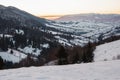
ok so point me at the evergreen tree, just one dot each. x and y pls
(76, 58)
(11, 52)
(29, 61)
(3, 43)
(88, 55)
(1, 63)
(62, 56)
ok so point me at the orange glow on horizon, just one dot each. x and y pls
(45, 8)
(50, 17)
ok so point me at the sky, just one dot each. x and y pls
(55, 8)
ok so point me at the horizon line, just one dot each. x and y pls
(52, 17)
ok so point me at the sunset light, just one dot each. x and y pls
(64, 7)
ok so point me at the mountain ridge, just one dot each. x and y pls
(89, 16)
(20, 15)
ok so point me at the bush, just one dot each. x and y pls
(118, 56)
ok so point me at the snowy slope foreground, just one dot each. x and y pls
(107, 51)
(92, 71)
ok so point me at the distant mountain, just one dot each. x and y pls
(91, 17)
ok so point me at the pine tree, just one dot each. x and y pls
(11, 52)
(4, 45)
(1, 63)
(88, 54)
(62, 56)
(76, 58)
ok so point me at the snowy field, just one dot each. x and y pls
(14, 57)
(107, 70)
(107, 51)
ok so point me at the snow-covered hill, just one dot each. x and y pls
(25, 33)
(107, 51)
(108, 70)
(87, 26)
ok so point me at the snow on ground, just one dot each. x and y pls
(31, 50)
(45, 45)
(108, 70)
(107, 51)
(20, 32)
(6, 35)
(87, 29)
(14, 57)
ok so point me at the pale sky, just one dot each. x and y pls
(64, 7)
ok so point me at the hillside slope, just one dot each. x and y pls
(20, 16)
(107, 51)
